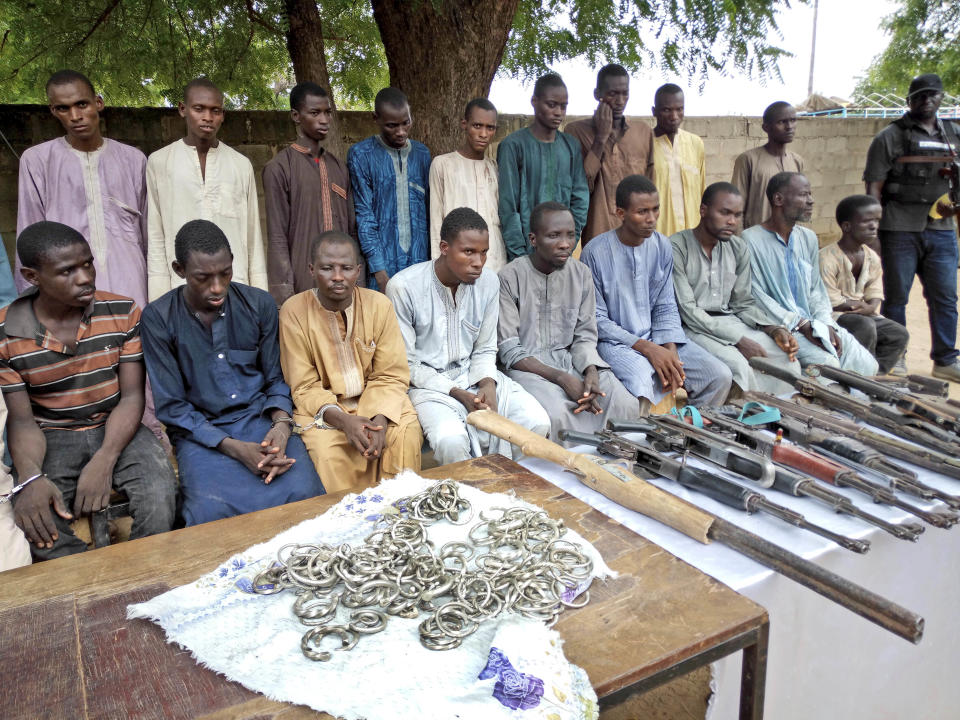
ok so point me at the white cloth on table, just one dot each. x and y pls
(255, 639)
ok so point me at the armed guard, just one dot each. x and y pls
(911, 168)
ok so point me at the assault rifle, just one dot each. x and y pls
(808, 425)
(795, 470)
(905, 402)
(640, 496)
(722, 489)
(829, 468)
(881, 416)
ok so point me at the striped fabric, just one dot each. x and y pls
(69, 388)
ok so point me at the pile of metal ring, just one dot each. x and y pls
(527, 568)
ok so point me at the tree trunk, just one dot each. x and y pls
(443, 54)
(305, 45)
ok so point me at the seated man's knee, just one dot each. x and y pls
(724, 379)
(534, 418)
(868, 335)
(722, 375)
(451, 447)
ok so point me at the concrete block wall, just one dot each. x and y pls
(834, 150)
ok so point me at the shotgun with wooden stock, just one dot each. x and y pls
(637, 494)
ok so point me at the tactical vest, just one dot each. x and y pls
(919, 182)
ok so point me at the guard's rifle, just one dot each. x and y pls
(637, 494)
(805, 466)
(875, 414)
(809, 425)
(905, 402)
(951, 171)
(722, 489)
(823, 469)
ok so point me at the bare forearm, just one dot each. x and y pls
(28, 447)
(122, 424)
(532, 365)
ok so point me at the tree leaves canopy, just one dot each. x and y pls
(924, 37)
(142, 52)
(690, 37)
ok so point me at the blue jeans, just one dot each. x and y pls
(931, 255)
(142, 472)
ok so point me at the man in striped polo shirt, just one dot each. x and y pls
(72, 374)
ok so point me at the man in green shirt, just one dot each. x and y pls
(540, 164)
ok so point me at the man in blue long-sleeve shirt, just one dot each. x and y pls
(213, 357)
(638, 323)
(390, 178)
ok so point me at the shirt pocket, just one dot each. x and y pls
(242, 358)
(470, 330)
(128, 220)
(365, 353)
(729, 280)
(231, 200)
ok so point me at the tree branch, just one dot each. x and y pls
(257, 18)
(100, 20)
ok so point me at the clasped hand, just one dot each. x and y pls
(583, 392)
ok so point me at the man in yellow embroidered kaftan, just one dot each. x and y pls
(344, 359)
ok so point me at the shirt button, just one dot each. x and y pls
(233, 397)
(220, 356)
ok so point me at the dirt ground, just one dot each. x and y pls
(918, 351)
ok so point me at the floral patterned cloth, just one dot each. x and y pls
(512, 667)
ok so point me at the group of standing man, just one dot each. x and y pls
(669, 293)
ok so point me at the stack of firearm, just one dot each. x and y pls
(838, 451)
(923, 430)
(633, 492)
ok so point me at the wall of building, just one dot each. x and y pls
(834, 150)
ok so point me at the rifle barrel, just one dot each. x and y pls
(905, 531)
(762, 504)
(865, 603)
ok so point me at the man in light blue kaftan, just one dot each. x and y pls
(786, 280)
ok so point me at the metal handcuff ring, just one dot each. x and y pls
(367, 622)
(348, 639)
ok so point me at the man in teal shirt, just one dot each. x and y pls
(540, 164)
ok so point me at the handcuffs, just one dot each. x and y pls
(527, 567)
(8, 496)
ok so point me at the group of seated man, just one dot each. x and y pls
(338, 389)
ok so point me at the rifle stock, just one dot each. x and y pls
(623, 487)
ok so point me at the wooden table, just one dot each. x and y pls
(68, 651)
